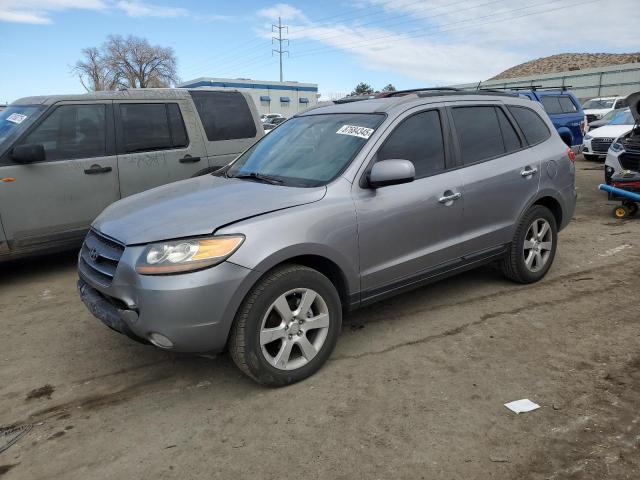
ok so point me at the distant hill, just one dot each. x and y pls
(567, 61)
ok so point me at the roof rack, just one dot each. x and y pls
(417, 90)
(468, 92)
(529, 87)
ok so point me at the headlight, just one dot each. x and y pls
(616, 147)
(588, 137)
(186, 255)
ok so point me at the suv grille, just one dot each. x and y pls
(99, 258)
(630, 161)
(601, 145)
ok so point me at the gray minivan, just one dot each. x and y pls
(63, 159)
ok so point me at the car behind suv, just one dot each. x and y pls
(624, 153)
(63, 159)
(336, 208)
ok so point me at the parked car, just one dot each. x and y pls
(63, 159)
(336, 208)
(268, 117)
(604, 120)
(597, 108)
(565, 112)
(597, 141)
(624, 153)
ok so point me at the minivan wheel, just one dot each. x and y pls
(287, 326)
(533, 248)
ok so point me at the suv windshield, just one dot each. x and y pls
(623, 118)
(307, 151)
(15, 119)
(598, 103)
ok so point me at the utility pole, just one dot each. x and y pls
(279, 39)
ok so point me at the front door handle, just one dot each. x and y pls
(528, 171)
(449, 197)
(97, 169)
(189, 159)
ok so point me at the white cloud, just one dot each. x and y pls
(39, 11)
(444, 42)
(141, 9)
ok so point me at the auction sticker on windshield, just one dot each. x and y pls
(16, 118)
(355, 131)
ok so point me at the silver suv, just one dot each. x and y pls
(63, 159)
(338, 207)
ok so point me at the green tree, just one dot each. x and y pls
(389, 88)
(363, 89)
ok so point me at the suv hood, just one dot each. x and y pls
(197, 206)
(612, 131)
(634, 104)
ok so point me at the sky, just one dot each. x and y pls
(334, 43)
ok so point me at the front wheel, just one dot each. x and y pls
(287, 326)
(533, 247)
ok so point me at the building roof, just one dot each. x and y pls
(248, 83)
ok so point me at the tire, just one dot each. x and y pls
(515, 264)
(632, 207)
(261, 336)
(621, 211)
(205, 171)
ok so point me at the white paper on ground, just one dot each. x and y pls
(521, 406)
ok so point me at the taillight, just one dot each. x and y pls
(582, 126)
(571, 154)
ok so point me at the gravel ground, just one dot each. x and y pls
(415, 388)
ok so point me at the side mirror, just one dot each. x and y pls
(391, 172)
(28, 153)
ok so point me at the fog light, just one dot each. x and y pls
(160, 340)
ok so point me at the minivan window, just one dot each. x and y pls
(16, 119)
(72, 131)
(419, 140)
(478, 133)
(145, 127)
(533, 127)
(307, 151)
(224, 115)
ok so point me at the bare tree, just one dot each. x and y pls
(126, 62)
(139, 64)
(93, 72)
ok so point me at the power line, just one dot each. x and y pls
(279, 39)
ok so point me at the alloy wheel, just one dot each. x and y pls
(538, 243)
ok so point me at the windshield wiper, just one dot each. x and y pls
(260, 177)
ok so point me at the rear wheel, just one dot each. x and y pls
(533, 247)
(287, 326)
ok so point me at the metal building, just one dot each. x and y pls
(616, 80)
(287, 98)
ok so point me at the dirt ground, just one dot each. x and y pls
(415, 388)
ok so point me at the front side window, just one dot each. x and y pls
(419, 140)
(479, 133)
(72, 131)
(535, 130)
(307, 151)
(15, 119)
(621, 103)
(224, 115)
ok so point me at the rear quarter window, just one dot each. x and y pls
(535, 129)
(224, 115)
(566, 104)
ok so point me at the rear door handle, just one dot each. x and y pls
(189, 159)
(97, 169)
(449, 196)
(528, 171)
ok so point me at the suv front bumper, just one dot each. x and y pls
(194, 311)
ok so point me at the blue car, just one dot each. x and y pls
(565, 112)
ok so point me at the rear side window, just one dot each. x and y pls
(535, 130)
(621, 103)
(152, 126)
(419, 140)
(224, 115)
(566, 104)
(479, 133)
(72, 131)
(509, 135)
(551, 104)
